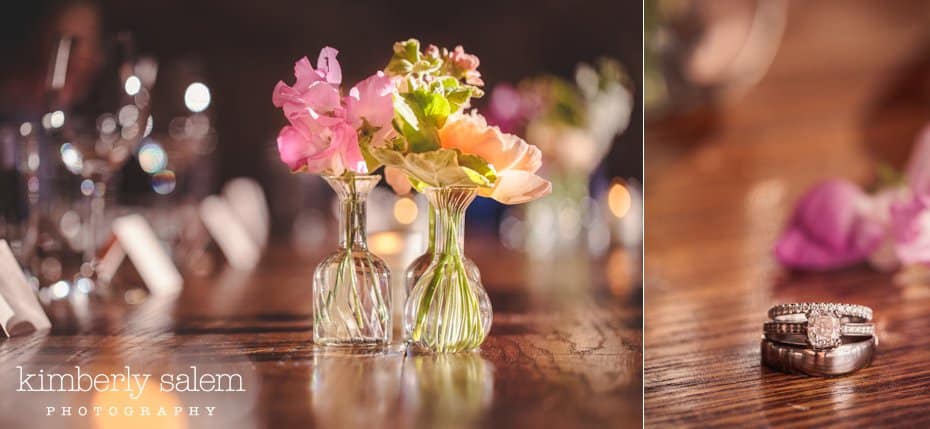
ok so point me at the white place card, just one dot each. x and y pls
(247, 200)
(136, 239)
(233, 238)
(20, 311)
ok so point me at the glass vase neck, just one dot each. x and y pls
(352, 191)
(448, 206)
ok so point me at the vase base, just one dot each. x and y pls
(415, 348)
(354, 343)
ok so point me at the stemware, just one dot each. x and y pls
(98, 112)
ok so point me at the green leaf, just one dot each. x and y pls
(422, 140)
(370, 161)
(458, 97)
(402, 109)
(408, 50)
(434, 168)
(479, 166)
(430, 108)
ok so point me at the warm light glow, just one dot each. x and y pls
(620, 273)
(386, 243)
(619, 200)
(121, 411)
(405, 211)
(132, 85)
(197, 97)
(25, 129)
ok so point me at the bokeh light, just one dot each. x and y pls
(132, 85)
(405, 211)
(197, 97)
(619, 200)
(164, 182)
(152, 157)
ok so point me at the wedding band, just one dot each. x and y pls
(860, 312)
(820, 336)
(844, 359)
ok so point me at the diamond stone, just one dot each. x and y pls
(823, 329)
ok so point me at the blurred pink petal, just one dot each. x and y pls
(910, 227)
(398, 180)
(918, 166)
(504, 108)
(831, 227)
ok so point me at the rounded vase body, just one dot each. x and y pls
(448, 310)
(352, 287)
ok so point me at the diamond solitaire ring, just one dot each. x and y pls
(819, 325)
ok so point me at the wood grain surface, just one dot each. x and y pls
(569, 357)
(716, 201)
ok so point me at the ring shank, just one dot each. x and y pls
(841, 360)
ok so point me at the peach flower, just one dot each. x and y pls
(515, 161)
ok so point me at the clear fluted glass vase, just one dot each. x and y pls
(448, 310)
(352, 287)
(419, 265)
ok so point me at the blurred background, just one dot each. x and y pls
(750, 103)
(177, 95)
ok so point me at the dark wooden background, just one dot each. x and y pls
(847, 91)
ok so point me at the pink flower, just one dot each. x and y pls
(918, 166)
(464, 61)
(323, 135)
(463, 64)
(910, 227)
(315, 94)
(832, 227)
(371, 102)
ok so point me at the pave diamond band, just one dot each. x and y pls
(861, 312)
(846, 329)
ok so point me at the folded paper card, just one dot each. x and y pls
(20, 311)
(247, 200)
(230, 234)
(136, 239)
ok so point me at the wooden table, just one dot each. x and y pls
(716, 202)
(570, 357)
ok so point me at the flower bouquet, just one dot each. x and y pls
(411, 119)
(351, 287)
(452, 157)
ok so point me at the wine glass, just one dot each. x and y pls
(98, 112)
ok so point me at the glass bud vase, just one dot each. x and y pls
(419, 265)
(448, 309)
(352, 287)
